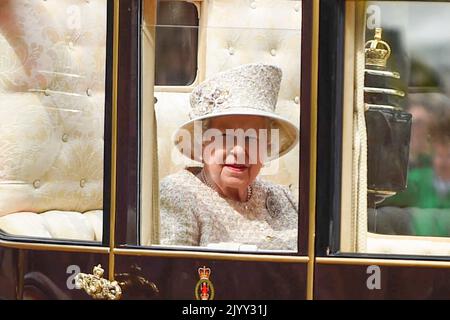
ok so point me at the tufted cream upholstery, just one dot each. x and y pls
(52, 80)
(267, 31)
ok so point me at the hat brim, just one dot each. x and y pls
(288, 132)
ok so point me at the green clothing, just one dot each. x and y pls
(430, 211)
(422, 161)
(420, 192)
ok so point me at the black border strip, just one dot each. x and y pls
(330, 117)
(108, 125)
(128, 124)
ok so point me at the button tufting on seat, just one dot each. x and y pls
(297, 100)
(253, 5)
(273, 52)
(231, 51)
(46, 122)
(297, 7)
(37, 184)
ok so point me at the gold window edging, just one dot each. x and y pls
(382, 262)
(313, 148)
(53, 247)
(211, 255)
(113, 209)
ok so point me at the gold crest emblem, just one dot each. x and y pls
(204, 290)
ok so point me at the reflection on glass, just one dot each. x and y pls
(426, 201)
(52, 82)
(176, 44)
(420, 53)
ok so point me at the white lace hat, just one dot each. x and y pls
(250, 89)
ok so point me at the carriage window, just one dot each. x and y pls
(401, 130)
(52, 88)
(220, 158)
(176, 43)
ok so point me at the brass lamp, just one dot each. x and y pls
(388, 126)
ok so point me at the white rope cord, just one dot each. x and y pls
(155, 238)
(355, 180)
(359, 185)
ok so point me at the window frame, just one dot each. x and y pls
(334, 148)
(130, 244)
(201, 48)
(31, 242)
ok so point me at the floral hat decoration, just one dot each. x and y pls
(250, 89)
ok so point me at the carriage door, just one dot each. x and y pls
(166, 49)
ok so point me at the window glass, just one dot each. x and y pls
(176, 43)
(227, 148)
(403, 145)
(52, 96)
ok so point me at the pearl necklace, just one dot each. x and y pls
(205, 180)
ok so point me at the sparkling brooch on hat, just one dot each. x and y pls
(210, 99)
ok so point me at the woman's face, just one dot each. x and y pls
(421, 119)
(441, 160)
(232, 156)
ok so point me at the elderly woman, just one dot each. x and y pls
(223, 204)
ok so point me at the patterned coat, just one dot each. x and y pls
(193, 214)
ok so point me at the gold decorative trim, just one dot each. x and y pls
(211, 255)
(96, 286)
(382, 262)
(382, 192)
(383, 73)
(313, 149)
(204, 285)
(113, 195)
(393, 92)
(381, 106)
(377, 51)
(53, 247)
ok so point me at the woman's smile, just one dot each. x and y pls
(238, 168)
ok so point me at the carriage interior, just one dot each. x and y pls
(52, 93)
(52, 107)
